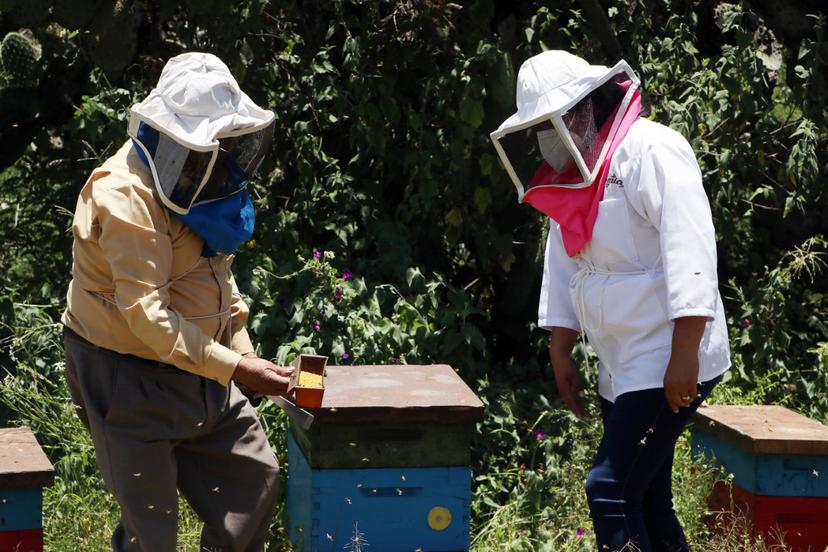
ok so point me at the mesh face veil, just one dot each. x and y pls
(186, 175)
(566, 111)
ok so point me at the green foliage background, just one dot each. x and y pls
(382, 161)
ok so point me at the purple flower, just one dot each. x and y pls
(396, 360)
(345, 356)
(523, 466)
(347, 274)
(539, 435)
(338, 292)
(317, 326)
(746, 324)
(580, 532)
(317, 254)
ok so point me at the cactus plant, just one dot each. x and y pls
(75, 14)
(113, 38)
(28, 13)
(19, 56)
(7, 6)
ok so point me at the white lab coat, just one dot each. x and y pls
(652, 259)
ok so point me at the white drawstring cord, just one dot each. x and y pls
(577, 282)
(109, 297)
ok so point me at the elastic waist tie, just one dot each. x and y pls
(109, 297)
(577, 282)
(579, 279)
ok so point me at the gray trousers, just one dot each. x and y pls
(156, 429)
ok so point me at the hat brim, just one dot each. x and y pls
(202, 132)
(552, 106)
(558, 100)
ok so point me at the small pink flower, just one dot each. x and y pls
(317, 254)
(347, 274)
(345, 356)
(523, 466)
(580, 532)
(539, 435)
(338, 292)
(317, 326)
(746, 324)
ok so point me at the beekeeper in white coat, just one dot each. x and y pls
(631, 262)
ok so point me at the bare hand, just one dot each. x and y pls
(682, 373)
(262, 376)
(570, 386)
(681, 378)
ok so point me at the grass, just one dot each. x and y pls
(528, 493)
(518, 526)
(80, 513)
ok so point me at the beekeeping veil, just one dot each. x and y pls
(203, 138)
(567, 113)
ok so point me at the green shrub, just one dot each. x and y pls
(382, 162)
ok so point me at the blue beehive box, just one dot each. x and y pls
(385, 462)
(770, 450)
(779, 462)
(24, 472)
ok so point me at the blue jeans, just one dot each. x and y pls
(629, 488)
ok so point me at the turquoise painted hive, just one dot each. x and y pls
(385, 463)
(24, 472)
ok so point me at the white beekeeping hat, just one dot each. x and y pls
(202, 136)
(553, 139)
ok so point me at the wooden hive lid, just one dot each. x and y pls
(397, 393)
(761, 429)
(22, 461)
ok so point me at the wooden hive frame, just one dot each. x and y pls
(308, 395)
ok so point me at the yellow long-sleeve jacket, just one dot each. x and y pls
(139, 283)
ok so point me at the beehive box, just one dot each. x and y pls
(779, 462)
(24, 471)
(387, 457)
(802, 520)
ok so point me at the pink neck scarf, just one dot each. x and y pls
(576, 209)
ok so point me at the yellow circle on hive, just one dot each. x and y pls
(439, 518)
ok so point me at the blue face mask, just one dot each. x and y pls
(223, 224)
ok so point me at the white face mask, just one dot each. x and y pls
(553, 150)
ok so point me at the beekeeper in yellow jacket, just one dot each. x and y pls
(155, 335)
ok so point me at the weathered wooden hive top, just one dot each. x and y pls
(765, 429)
(397, 393)
(22, 461)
